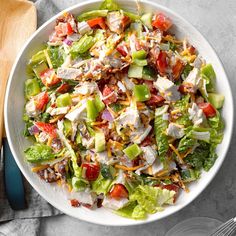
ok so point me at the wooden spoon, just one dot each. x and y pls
(18, 20)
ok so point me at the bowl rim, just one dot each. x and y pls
(128, 223)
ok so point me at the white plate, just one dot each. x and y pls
(14, 104)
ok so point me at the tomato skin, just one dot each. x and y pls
(162, 22)
(161, 62)
(208, 109)
(92, 171)
(63, 88)
(155, 100)
(41, 100)
(122, 50)
(74, 203)
(110, 99)
(99, 21)
(53, 79)
(119, 191)
(177, 69)
(47, 128)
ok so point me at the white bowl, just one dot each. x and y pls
(14, 103)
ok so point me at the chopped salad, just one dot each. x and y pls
(123, 114)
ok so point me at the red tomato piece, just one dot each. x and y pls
(74, 203)
(41, 100)
(177, 69)
(63, 88)
(161, 62)
(155, 100)
(109, 95)
(63, 29)
(49, 77)
(208, 109)
(119, 191)
(99, 21)
(162, 22)
(69, 29)
(47, 128)
(192, 49)
(91, 171)
(122, 50)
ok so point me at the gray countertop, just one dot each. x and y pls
(216, 20)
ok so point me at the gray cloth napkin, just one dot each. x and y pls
(27, 222)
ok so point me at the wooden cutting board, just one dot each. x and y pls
(18, 20)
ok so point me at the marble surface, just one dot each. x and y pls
(216, 20)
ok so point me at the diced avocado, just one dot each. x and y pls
(135, 71)
(32, 88)
(100, 142)
(38, 58)
(208, 73)
(64, 100)
(132, 151)
(39, 68)
(141, 54)
(92, 111)
(216, 99)
(67, 127)
(147, 20)
(148, 73)
(98, 103)
(141, 92)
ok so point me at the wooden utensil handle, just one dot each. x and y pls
(5, 68)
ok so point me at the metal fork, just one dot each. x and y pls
(226, 229)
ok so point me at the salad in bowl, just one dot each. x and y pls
(122, 114)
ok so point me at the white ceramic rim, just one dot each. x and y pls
(177, 208)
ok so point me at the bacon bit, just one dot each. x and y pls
(89, 206)
(74, 203)
(128, 168)
(38, 168)
(177, 153)
(192, 50)
(177, 69)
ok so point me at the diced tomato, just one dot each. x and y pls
(208, 109)
(49, 77)
(122, 50)
(99, 21)
(74, 203)
(91, 171)
(109, 95)
(41, 100)
(63, 88)
(63, 29)
(69, 29)
(172, 187)
(162, 22)
(47, 128)
(162, 62)
(136, 161)
(155, 100)
(119, 191)
(192, 49)
(177, 69)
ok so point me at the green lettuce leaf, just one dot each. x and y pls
(109, 5)
(160, 127)
(79, 184)
(186, 143)
(56, 55)
(39, 153)
(101, 185)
